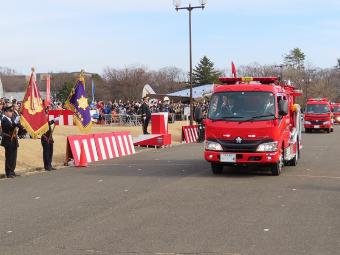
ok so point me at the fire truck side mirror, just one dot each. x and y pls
(283, 107)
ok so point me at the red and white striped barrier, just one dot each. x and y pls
(65, 117)
(190, 134)
(114, 145)
(99, 147)
(73, 148)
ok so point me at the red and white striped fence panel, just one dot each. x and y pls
(100, 147)
(190, 134)
(74, 144)
(114, 145)
(65, 117)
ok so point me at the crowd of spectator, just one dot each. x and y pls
(131, 108)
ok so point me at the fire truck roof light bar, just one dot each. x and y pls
(263, 80)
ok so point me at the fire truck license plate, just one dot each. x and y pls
(317, 126)
(228, 158)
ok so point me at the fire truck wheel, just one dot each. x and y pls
(307, 130)
(277, 168)
(216, 168)
(328, 130)
(332, 129)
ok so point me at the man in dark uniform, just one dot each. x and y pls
(146, 114)
(198, 117)
(47, 144)
(10, 141)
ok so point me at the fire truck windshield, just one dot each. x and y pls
(317, 108)
(242, 106)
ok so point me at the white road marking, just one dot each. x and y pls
(266, 230)
(9, 231)
(36, 198)
(100, 180)
(313, 176)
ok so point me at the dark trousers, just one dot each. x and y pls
(201, 132)
(145, 125)
(10, 160)
(47, 155)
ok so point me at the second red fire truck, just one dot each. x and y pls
(253, 121)
(318, 115)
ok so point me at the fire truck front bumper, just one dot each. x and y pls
(321, 126)
(240, 158)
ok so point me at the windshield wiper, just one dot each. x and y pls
(228, 117)
(263, 116)
(260, 116)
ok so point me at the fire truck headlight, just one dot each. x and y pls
(326, 123)
(213, 146)
(307, 122)
(273, 146)
(338, 118)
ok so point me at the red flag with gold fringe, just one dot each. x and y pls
(33, 117)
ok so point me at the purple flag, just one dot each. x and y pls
(78, 103)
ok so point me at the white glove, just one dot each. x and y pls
(17, 119)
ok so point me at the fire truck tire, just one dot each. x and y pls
(328, 130)
(332, 129)
(216, 168)
(277, 168)
(307, 130)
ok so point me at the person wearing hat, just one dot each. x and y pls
(10, 140)
(47, 144)
(146, 114)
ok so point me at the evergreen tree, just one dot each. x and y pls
(205, 73)
(65, 91)
(295, 59)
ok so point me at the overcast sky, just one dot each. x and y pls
(67, 35)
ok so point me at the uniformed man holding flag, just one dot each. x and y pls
(10, 140)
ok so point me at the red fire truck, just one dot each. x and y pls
(336, 112)
(253, 121)
(318, 115)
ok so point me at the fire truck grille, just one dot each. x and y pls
(317, 122)
(244, 146)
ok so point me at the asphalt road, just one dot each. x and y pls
(168, 202)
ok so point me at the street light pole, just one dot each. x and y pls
(189, 9)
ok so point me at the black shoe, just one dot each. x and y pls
(53, 168)
(48, 169)
(16, 175)
(10, 176)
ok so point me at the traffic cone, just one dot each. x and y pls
(82, 160)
